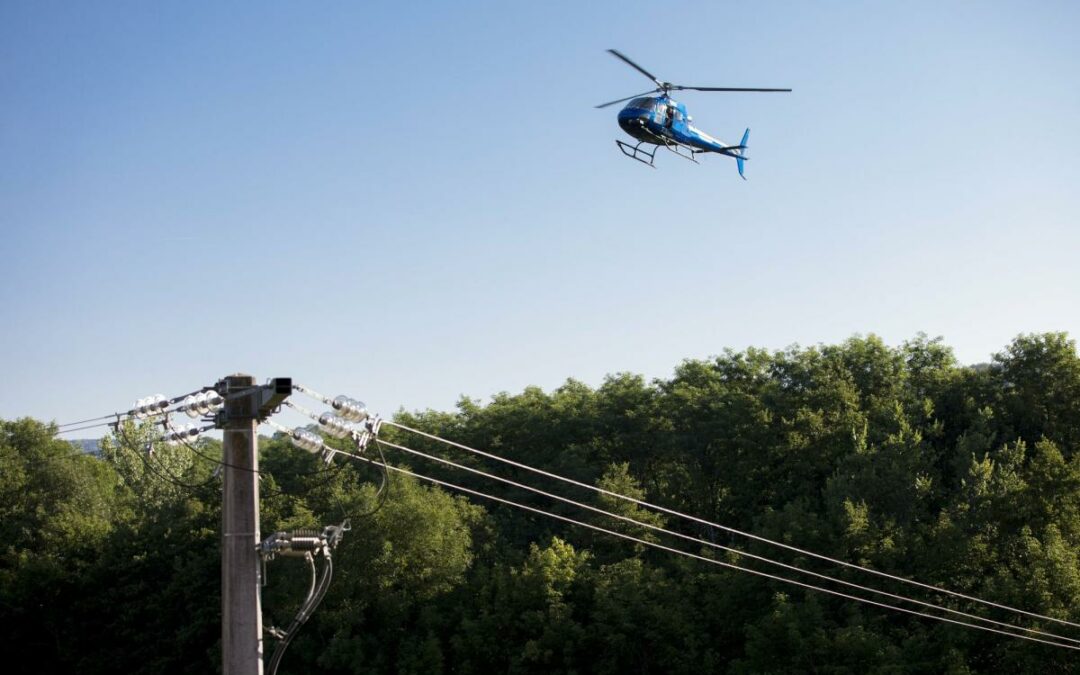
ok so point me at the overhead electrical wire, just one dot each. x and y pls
(287, 635)
(731, 530)
(708, 560)
(164, 474)
(730, 549)
(169, 401)
(311, 392)
(344, 406)
(314, 597)
(167, 423)
(89, 426)
(92, 419)
(223, 463)
(159, 406)
(282, 634)
(381, 492)
(301, 409)
(319, 590)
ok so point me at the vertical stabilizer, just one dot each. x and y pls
(740, 160)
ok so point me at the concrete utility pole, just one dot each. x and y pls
(241, 613)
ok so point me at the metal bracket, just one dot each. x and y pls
(370, 433)
(300, 543)
(264, 401)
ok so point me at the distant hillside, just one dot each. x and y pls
(88, 445)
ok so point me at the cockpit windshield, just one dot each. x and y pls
(644, 103)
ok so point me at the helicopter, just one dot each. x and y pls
(663, 122)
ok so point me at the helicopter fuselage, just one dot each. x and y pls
(660, 120)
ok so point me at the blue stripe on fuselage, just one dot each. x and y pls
(645, 124)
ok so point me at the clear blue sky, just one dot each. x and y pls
(411, 202)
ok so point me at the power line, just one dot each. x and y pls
(719, 546)
(92, 419)
(220, 462)
(164, 474)
(732, 530)
(349, 408)
(301, 441)
(352, 410)
(166, 401)
(167, 423)
(711, 560)
(236, 405)
(90, 426)
(314, 597)
(333, 471)
(383, 491)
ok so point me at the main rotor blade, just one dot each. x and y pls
(651, 91)
(679, 87)
(635, 66)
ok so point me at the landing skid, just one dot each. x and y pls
(639, 153)
(677, 148)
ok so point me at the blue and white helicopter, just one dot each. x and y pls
(662, 121)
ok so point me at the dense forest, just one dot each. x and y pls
(898, 459)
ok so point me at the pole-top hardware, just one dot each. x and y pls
(254, 401)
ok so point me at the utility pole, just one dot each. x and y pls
(246, 404)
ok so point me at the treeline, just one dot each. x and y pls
(894, 458)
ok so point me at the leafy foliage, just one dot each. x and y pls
(899, 459)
